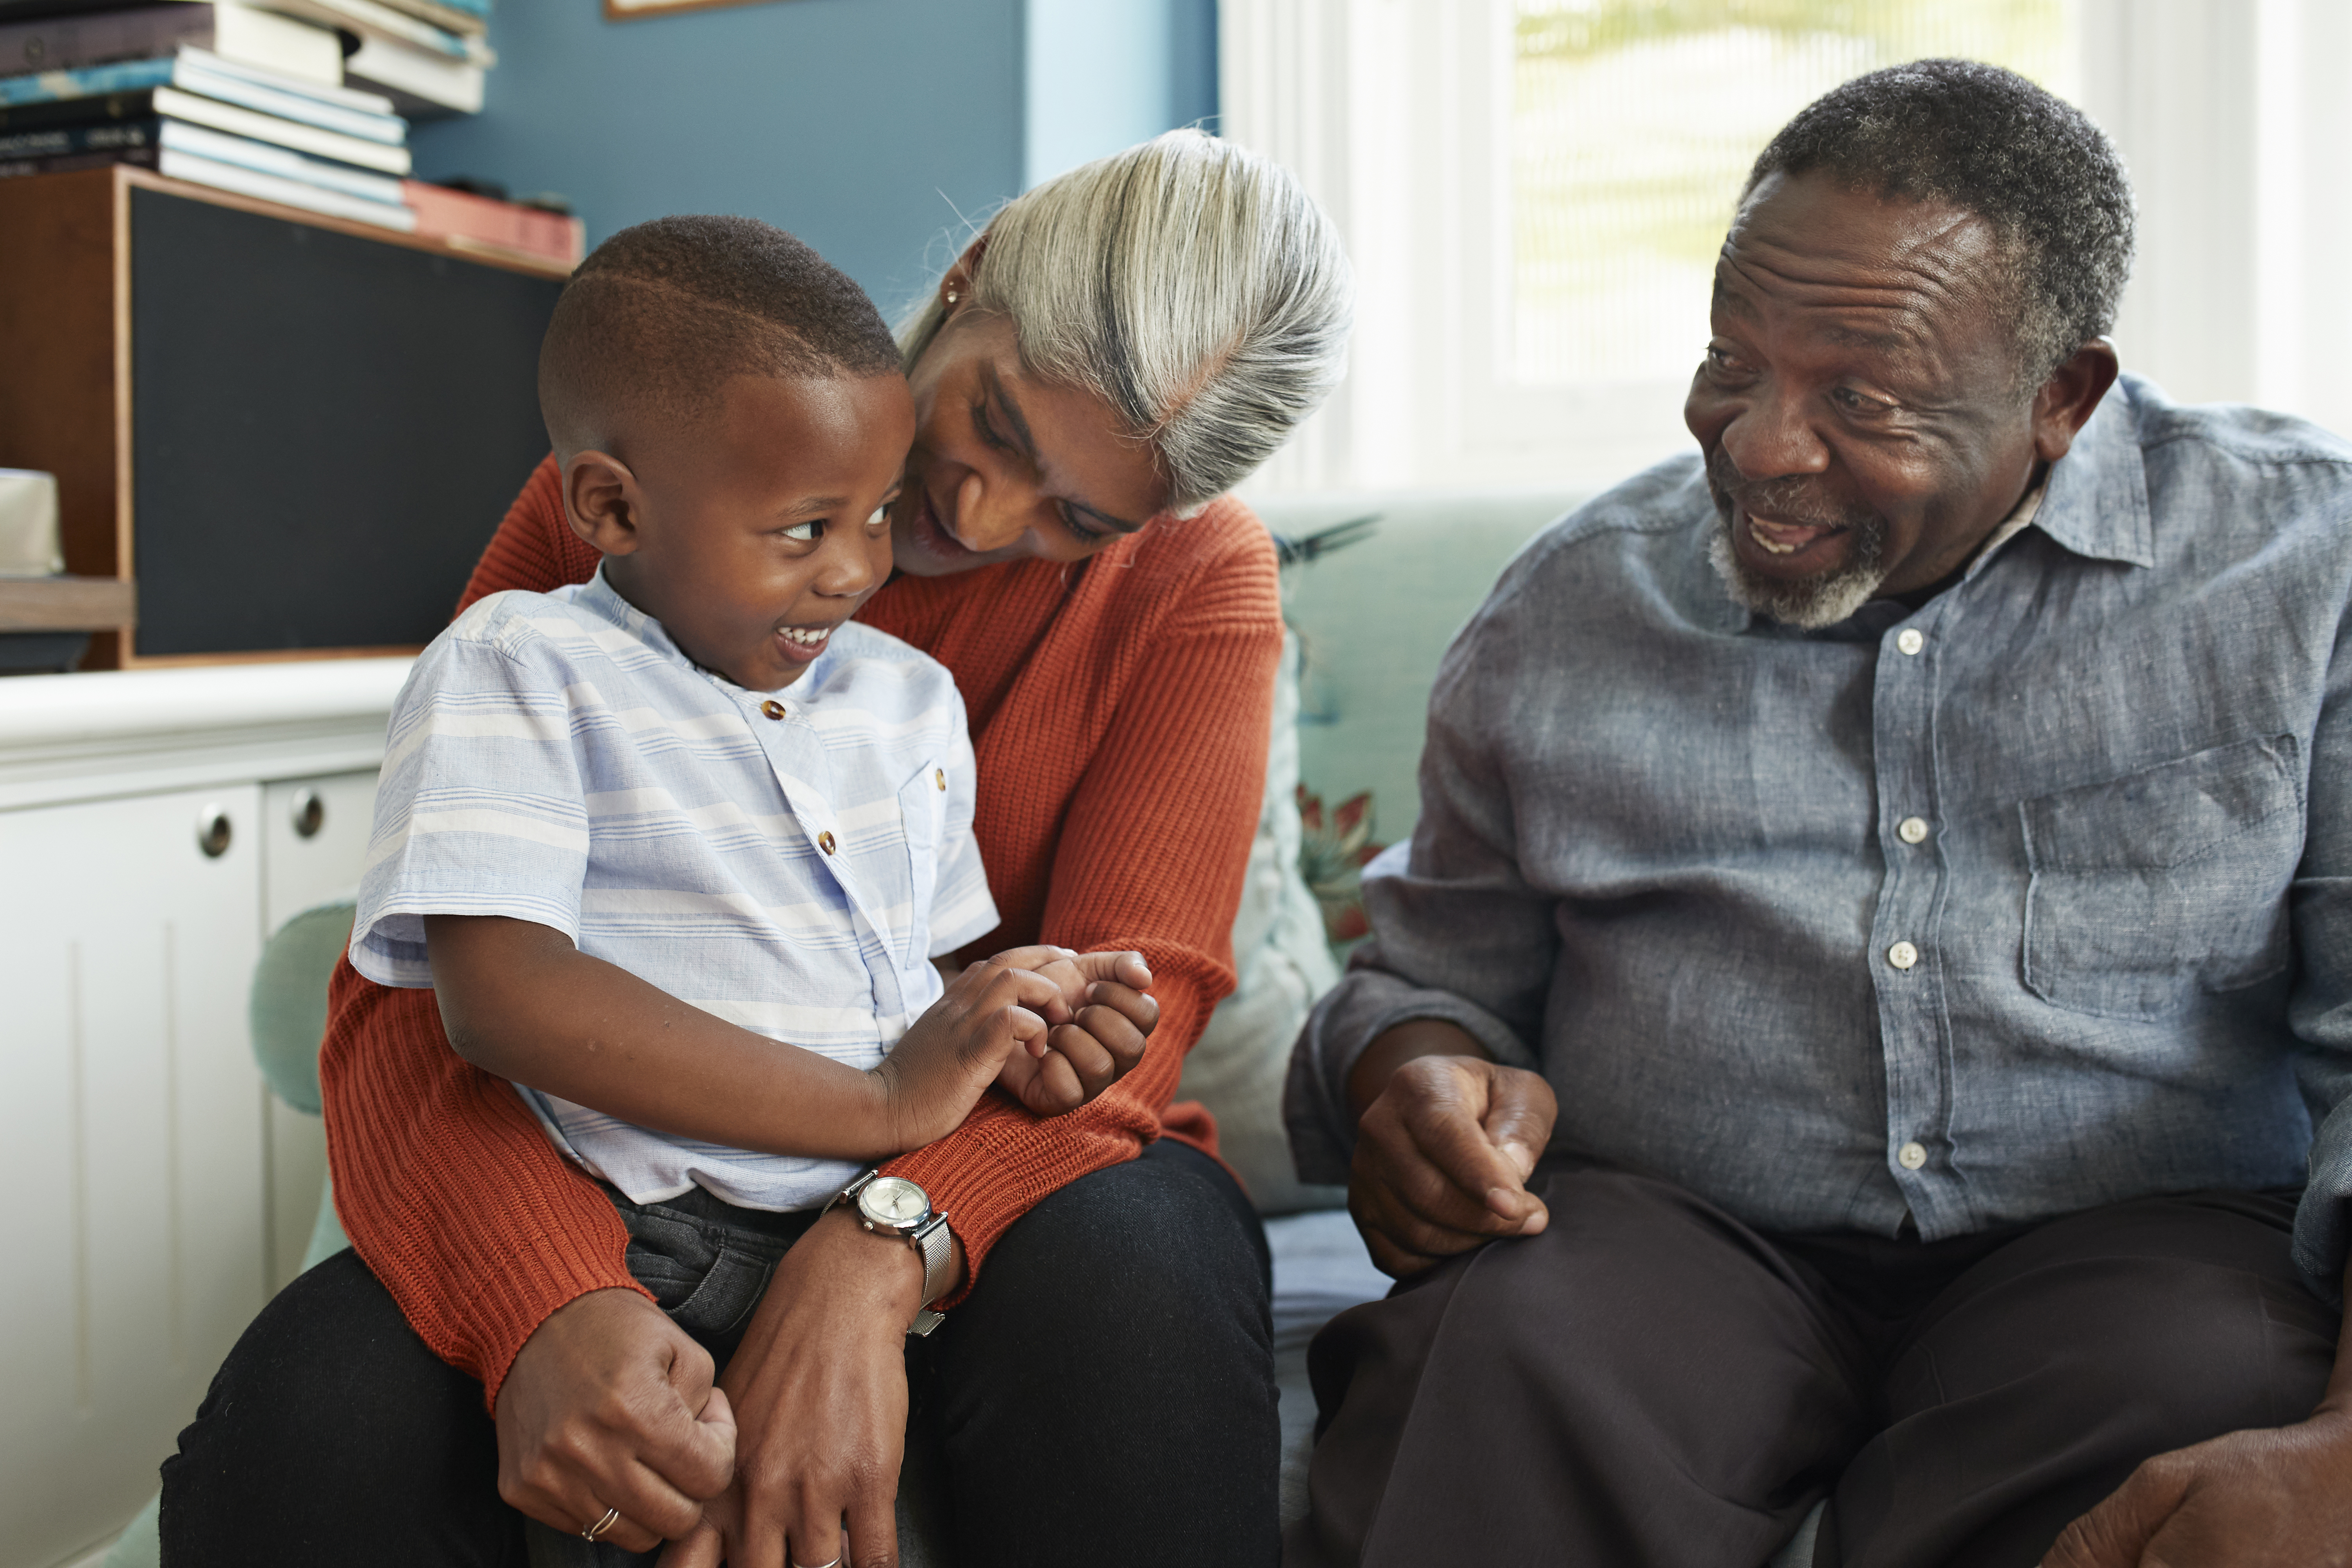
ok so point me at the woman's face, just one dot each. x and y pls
(1005, 466)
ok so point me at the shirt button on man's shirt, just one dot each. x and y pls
(1912, 830)
(1909, 640)
(1912, 1156)
(1902, 955)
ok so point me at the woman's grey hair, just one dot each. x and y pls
(1189, 283)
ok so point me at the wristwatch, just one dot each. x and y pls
(893, 1205)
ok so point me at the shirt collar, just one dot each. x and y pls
(598, 596)
(2094, 501)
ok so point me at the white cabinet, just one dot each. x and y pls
(154, 1195)
(131, 1141)
(314, 839)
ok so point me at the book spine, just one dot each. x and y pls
(94, 81)
(444, 214)
(67, 140)
(116, 108)
(66, 163)
(76, 43)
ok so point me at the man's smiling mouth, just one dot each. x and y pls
(1779, 538)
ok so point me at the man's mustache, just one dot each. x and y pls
(1791, 498)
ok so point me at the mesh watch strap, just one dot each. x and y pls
(936, 1246)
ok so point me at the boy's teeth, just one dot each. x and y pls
(807, 638)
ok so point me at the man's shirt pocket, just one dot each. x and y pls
(2145, 889)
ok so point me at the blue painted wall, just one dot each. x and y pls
(1104, 74)
(864, 126)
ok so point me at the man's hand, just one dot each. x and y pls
(2275, 1499)
(1110, 1021)
(609, 1405)
(819, 1389)
(1444, 1149)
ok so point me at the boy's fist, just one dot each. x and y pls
(1106, 1023)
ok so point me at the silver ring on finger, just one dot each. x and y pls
(602, 1525)
(835, 1563)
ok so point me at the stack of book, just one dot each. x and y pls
(197, 114)
(428, 55)
(300, 101)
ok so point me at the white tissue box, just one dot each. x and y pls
(28, 524)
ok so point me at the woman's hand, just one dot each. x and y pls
(819, 1391)
(1109, 1022)
(609, 1405)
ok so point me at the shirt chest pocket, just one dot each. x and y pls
(923, 813)
(2149, 889)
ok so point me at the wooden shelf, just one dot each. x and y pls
(488, 255)
(67, 603)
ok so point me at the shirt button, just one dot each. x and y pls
(773, 709)
(1911, 1156)
(1909, 640)
(1902, 955)
(1912, 829)
(940, 777)
(825, 842)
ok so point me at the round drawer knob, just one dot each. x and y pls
(213, 832)
(310, 814)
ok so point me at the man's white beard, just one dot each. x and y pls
(1810, 603)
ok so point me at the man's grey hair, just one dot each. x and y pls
(1189, 283)
(1989, 141)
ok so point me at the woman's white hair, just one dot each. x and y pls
(1191, 284)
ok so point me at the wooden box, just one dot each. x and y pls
(295, 432)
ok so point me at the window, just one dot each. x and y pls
(1533, 192)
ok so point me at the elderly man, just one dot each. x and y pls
(1878, 940)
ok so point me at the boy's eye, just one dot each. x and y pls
(805, 533)
(881, 517)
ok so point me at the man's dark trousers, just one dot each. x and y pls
(1649, 1383)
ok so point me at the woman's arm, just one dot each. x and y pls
(1150, 857)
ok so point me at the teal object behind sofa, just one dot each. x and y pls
(1373, 618)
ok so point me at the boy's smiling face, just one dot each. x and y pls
(752, 533)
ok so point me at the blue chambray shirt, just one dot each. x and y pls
(2034, 899)
(788, 860)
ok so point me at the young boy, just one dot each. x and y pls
(676, 848)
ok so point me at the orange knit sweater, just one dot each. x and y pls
(1118, 712)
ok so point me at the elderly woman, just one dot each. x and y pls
(1120, 347)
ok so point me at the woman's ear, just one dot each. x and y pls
(955, 285)
(600, 502)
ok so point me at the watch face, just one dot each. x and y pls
(894, 1201)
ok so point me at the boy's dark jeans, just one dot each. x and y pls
(1106, 1395)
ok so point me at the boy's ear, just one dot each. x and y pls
(600, 502)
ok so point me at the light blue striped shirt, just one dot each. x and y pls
(789, 862)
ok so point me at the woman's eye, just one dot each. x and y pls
(1083, 532)
(805, 533)
(987, 431)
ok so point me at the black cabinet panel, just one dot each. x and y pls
(326, 429)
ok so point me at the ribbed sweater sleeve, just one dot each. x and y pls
(447, 1187)
(1151, 856)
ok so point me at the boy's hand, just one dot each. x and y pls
(945, 1060)
(1109, 1021)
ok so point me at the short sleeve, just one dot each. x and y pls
(480, 809)
(962, 909)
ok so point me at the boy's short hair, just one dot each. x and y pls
(659, 316)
